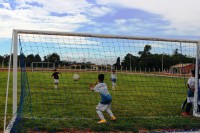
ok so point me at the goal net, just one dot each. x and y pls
(151, 84)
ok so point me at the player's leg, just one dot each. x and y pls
(100, 107)
(198, 109)
(184, 103)
(113, 84)
(188, 106)
(55, 83)
(110, 112)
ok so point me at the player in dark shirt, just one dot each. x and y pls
(56, 78)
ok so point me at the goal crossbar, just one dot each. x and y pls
(101, 36)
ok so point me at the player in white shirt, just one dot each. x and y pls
(113, 79)
(190, 93)
(106, 99)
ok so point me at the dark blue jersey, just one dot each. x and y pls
(55, 75)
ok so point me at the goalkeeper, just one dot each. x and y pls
(105, 103)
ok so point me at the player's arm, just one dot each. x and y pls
(92, 86)
(190, 86)
(193, 88)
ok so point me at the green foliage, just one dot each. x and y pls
(37, 58)
(145, 52)
(150, 60)
(117, 64)
(54, 57)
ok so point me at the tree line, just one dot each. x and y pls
(145, 59)
(53, 58)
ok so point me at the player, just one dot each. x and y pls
(113, 79)
(105, 103)
(56, 78)
(190, 93)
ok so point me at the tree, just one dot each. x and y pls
(175, 52)
(37, 58)
(130, 61)
(54, 57)
(6, 59)
(117, 64)
(29, 59)
(145, 52)
(145, 57)
(1, 58)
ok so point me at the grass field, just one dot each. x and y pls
(139, 102)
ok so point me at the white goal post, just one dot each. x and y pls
(15, 52)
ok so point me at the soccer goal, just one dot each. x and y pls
(151, 85)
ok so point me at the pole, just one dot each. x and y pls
(196, 82)
(3, 62)
(130, 62)
(162, 62)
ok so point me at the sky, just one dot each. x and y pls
(152, 18)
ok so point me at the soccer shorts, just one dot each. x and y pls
(190, 99)
(56, 81)
(114, 80)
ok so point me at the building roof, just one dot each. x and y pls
(181, 65)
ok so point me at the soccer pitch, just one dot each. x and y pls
(140, 101)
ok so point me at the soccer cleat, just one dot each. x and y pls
(102, 121)
(185, 114)
(113, 118)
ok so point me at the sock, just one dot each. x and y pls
(55, 86)
(110, 112)
(113, 87)
(100, 114)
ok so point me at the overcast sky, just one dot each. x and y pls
(155, 18)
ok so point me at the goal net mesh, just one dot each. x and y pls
(149, 91)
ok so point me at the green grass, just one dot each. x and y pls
(139, 101)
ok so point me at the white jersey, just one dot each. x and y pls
(103, 90)
(113, 76)
(191, 82)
